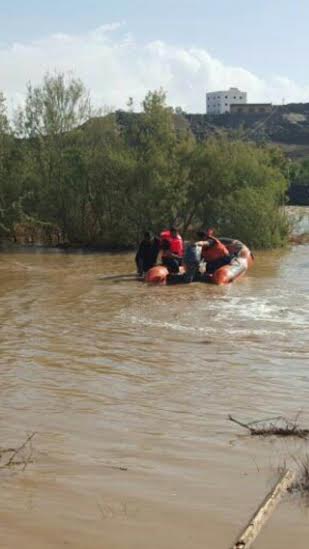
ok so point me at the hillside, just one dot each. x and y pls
(287, 126)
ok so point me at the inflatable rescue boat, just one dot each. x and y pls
(241, 261)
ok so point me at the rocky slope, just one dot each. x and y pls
(287, 125)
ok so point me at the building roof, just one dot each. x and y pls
(229, 90)
(236, 105)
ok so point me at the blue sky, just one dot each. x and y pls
(268, 39)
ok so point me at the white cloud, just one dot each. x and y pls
(114, 66)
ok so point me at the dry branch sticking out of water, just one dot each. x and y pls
(301, 483)
(264, 511)
(278, 426)
(17, 457)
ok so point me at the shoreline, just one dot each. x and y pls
(293, 240)
(8, 246)
(299, 216)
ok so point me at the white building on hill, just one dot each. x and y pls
(219, 102)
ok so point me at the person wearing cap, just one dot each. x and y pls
(214, 253)
(147, 253)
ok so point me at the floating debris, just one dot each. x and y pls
(278, 426)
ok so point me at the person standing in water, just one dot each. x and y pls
(147, 253)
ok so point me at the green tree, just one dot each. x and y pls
(157, 197)
(299, 172)
(105, 179)
(10, 166)
(49, 125)
(239, 188)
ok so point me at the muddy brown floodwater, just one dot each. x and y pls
(129, 388)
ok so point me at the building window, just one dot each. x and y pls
(226, 104)
(240, 97)
(226, 97)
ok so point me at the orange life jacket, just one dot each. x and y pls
(177, 246)
(214, 252)
(176, 243)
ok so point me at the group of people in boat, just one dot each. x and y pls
(200, 258)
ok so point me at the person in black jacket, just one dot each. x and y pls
(147, 253)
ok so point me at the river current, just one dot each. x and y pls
(129, 388)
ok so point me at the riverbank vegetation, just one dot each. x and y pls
(72, 175)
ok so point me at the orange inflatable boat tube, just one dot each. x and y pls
(240, 263)
(157, 275)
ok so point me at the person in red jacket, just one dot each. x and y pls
(175, 240)
(170, 259)
(172, 247)
(177, 245)
(214, 252)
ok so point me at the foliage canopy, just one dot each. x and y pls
(103, 180)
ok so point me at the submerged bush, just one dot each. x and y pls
(240, 189)
(105, 179)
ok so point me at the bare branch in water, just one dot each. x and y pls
(278, 427)
(17, 458)
(264, 511)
